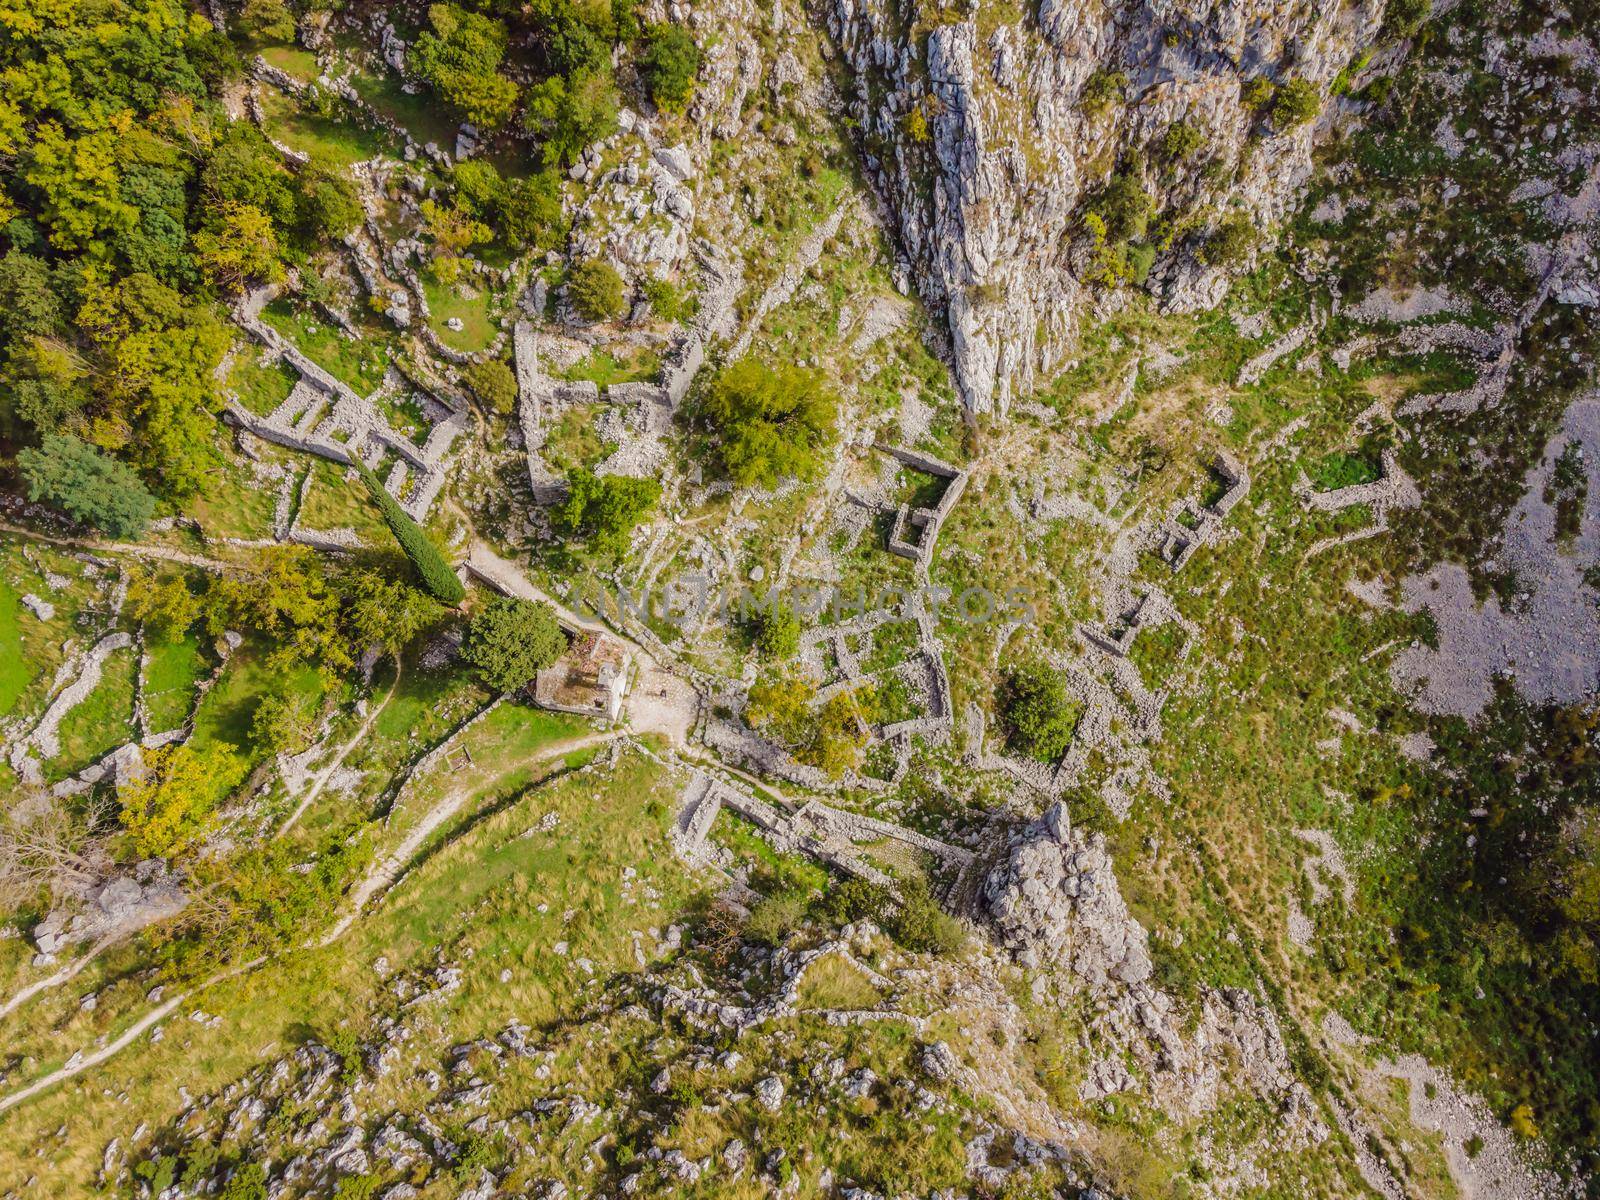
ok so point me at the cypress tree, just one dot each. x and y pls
(430, 564)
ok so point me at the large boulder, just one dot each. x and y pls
(115, 907)
(1055, 903)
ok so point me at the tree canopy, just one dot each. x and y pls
(670, 60)
(510, 640)
(76, 478)
(459, 57)
(605, 508)
(770, 423)
(430, 563)
(1039, 718)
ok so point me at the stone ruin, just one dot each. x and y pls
(917, 529)
(1178, 539)
(821, 831)
(324, 416)
(647, 409)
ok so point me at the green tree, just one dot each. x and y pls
(530, 210)
(328, 206)
(595, 289)
(1124, 206)
(459, 57)
(770, 423)
(387, 612)
(248, 1181)
(430, 564)
(494, 383)
(240, 245)
(511, 640)
(167, 808)
(605, 508)
(919, 924)
(670, 61)
(286, 597)
(281, 724)
(245, 168)
(1295, 103)
(92, 488)
(163, 604)
(570, 112)
(774, 918)
(266, 21)
(46, 383)
(830, 737)
(1181, 141)
(776, 630)
(30, 305)
(1039, 719)
(479, 187)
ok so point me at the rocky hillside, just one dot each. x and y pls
(993, 137)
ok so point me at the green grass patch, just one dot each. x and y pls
(171, 671)
(261, 387)
(359, 362)
(15, 670)
(467, 303)
(337, 144)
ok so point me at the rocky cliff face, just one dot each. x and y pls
(986, 133)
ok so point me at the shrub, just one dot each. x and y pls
(670, 62)
(1101, 91)
(1257, 93)
(1038, 717)
(327, 206)
(664, 298)
(1403, 18)
(494, 383)
(1230, 244)
(248, 1182)
(427, 560)
(511, 640)
(853, 900)
(606, 508)
(770, 423)
(1124, 206)
(595, 290)
(94, 489)
(530, 210)
(1296, 103)
(774, 918)
(776, 630)
(920, 925)
(1181, 141)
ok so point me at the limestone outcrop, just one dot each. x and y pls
(1055, 903)
(988, 137)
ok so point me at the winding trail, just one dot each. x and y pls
(98, 545)
(81, 1062)
(64, 975)
(337, 761)
(387, 872)
(375, 883)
